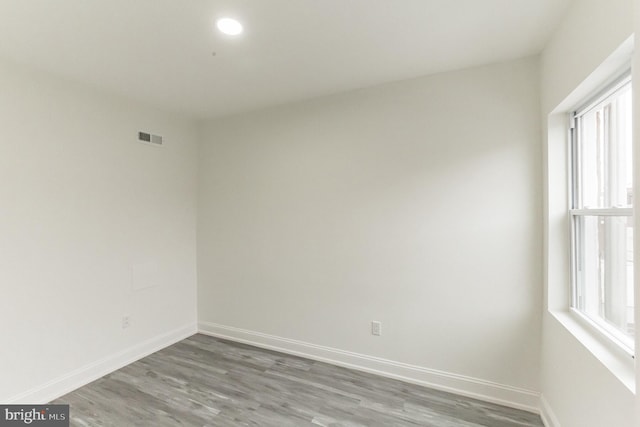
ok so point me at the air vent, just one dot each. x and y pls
(149, 138)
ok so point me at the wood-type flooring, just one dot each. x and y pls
(205, 381)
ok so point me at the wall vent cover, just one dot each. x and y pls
(149, 138)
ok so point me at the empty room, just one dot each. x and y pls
(319, 213)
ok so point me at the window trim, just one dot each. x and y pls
(610, 333)
(603, 95)
(557, 259)
(605, 331)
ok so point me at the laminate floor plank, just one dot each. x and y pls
(204, 381)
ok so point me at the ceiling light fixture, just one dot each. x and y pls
(229, 26)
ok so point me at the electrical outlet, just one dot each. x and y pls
(376, 328)
(126, 322)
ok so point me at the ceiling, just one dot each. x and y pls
(160, 52)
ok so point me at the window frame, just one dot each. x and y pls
(611, 333)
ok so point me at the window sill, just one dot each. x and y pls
(614, 358)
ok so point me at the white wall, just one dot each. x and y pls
(81, 203)
(416, 203)
(579, 390)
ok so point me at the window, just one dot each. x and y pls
(602, 213)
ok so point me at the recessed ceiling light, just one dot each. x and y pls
(229, 26)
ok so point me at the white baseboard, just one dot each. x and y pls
(549, 418)
(488, 391)
(77, 378)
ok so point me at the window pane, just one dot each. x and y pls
(604, 153)
(605, 270)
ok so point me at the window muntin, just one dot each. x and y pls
(601, 213)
